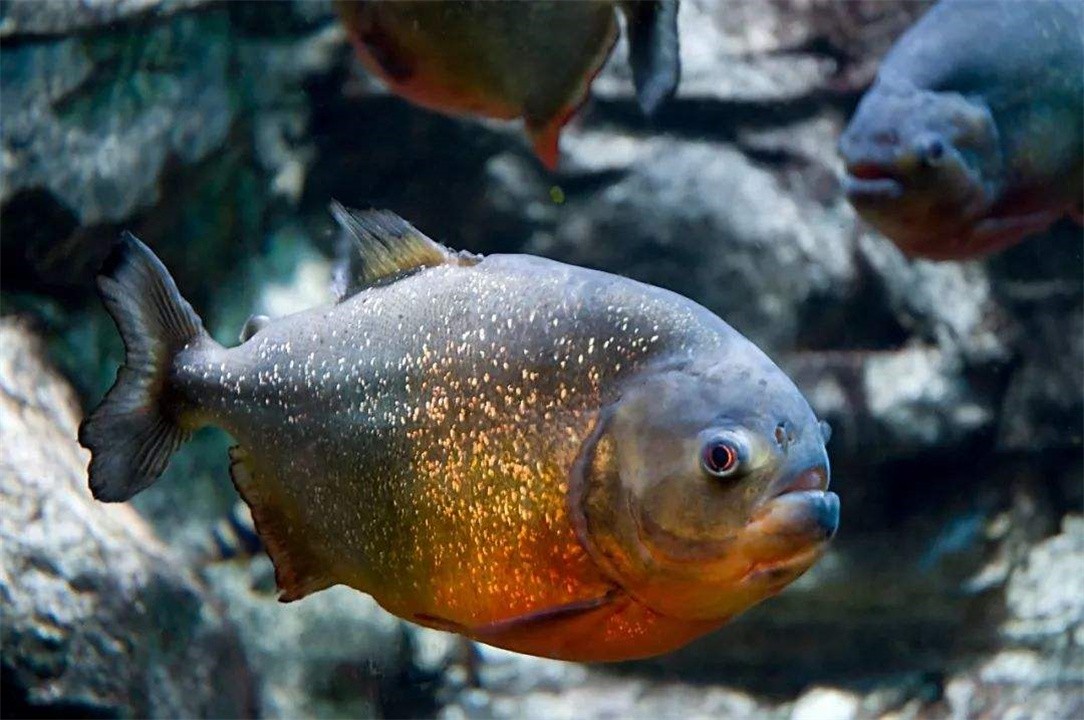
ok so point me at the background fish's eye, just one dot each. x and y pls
(720, 458)
(933, 151)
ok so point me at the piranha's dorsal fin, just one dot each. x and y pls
(377, 247)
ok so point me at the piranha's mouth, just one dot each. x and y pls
(790, 531)
(869, 182)
(800, 507)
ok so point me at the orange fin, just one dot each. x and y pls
(298, 571)
(545, 141)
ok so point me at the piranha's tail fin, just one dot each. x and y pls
(133, 433)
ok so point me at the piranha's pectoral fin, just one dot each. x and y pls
(542, 632)
(298, 571)
(996, 233)
(544, 618)
(1076, 213)
(377, 247)
(653, 50)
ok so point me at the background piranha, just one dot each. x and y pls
(538, 456)
(972, 137)
(507, 60)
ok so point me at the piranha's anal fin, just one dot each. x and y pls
(141, 422)
(653, 50)
(377, 247)
(298, 572)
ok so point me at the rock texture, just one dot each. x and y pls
(100, 618)
(220, 131)
(329, 655)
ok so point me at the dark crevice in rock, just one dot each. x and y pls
(259, 19)
(15, 703)
(409, 691)
(36, 234)
(713, 119)
(860, 321)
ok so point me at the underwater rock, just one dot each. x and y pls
(181, 122)
(514, 686)
(823, 703)
(94, 120)
(100, 618)
(1039, 670)
(58, 17)
(330, 655)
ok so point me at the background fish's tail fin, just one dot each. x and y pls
(653, 50)
(134, 431)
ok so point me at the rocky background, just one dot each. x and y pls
(219, 131)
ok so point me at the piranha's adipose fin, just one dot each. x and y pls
(133, 433)
(253, 325)
(653, 50)
(297, 571)
(378, 247)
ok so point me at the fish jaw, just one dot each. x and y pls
(871, 190)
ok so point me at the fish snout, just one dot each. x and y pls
(873, 166)
(868, 182)
(802, 516)
(798, 504)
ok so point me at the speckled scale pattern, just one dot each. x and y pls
(422, 433)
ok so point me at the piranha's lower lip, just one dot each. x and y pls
(812, 515)
(867, 188)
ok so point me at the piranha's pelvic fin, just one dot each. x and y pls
(377, 247)
(653, 50)
(134, 431)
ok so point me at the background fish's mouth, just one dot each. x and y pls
(858, 188)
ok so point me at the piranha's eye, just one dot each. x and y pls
(933, 151)
(720, 458)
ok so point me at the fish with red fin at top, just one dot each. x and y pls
(533, 59)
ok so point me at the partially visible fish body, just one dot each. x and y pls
(996, 88)
(507, 60)
(447, 437)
